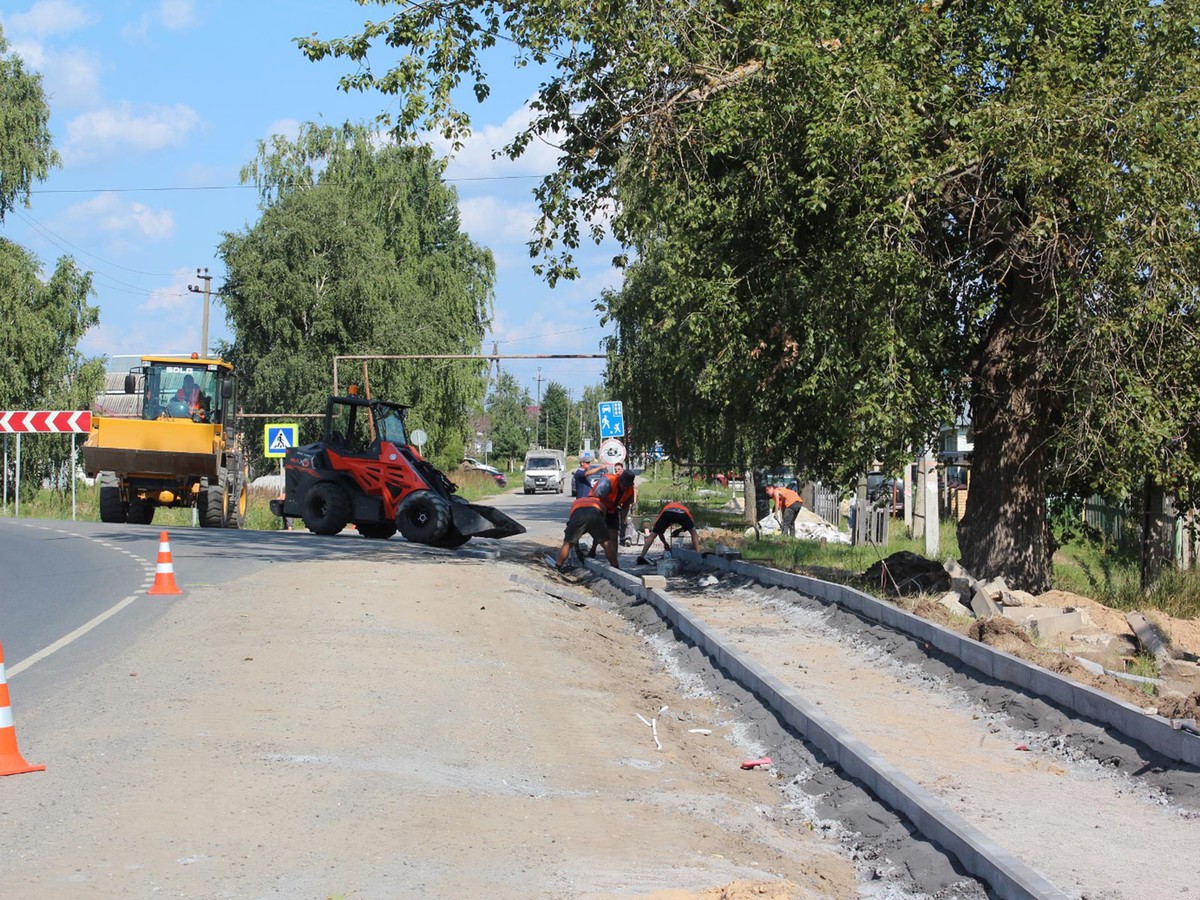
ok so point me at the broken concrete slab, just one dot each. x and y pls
(983, 605)
(953, 602)
(1148, 636)
(963, 584)
(955, 570)
(1047, 623)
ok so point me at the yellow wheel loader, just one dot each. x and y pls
(176, 447)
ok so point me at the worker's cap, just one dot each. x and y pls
(585, 456)
(625, 478)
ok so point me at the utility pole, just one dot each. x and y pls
(567, 437)
(203, 275)
(537, 429)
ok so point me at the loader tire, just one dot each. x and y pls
(214, 500)
(327, 508)
(379, 531)
(140, 513)
(112, 509)
(423, 517)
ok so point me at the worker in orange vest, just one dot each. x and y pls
(673, 515)
(787, 506)
(616, 492)
(587, 516)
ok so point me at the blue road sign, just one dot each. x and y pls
(277, 439)
(612, 419)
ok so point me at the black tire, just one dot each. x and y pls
(239, 495)
(528, 491)
(112, 509)
(423, 517)
(326, 508)
(451, 539)
(214, 500)
(140, 513)
(378, 531)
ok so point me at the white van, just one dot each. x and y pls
(545, 470)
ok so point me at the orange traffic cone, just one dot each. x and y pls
(11, 760)
(164, 573)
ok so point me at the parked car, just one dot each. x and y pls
(496, 474)
(886, 491)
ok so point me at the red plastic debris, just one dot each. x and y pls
(755, 763)
(1022, 746)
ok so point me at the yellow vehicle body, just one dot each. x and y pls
(181, 449)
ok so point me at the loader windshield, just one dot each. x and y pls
(389, 421)
(182, 391)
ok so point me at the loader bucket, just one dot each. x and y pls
(475, 520)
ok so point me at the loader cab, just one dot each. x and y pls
(184, 388)
(354, 424)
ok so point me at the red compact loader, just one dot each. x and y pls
(365, 472)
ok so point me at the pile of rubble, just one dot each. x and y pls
(979, 599)
(809, 527)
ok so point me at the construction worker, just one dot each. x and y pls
(787, 506)
(587, 516)
(586, 475)
(673, 515)
(623, 535)
(615, 492)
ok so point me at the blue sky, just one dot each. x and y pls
(157, 104)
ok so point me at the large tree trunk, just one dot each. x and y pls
(1004, 531)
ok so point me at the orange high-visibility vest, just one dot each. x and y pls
(785, 498)
(615, 498)
(588, 502)
(675, 506)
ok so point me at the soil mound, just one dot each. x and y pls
(908, 573)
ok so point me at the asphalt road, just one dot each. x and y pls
(74, 593)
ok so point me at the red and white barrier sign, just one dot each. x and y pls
(43, 422)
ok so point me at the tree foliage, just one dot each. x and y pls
(848, 221)
(511, 427)
(41, 323)
(555, 414)
(358, 251)
(26, 150)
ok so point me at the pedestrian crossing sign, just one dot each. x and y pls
(277, 439)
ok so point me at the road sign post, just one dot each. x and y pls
(612, 419)
(278, 439)
(27, 421)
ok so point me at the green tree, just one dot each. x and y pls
(26, 150)
(586, 416)
(511, 427)
(358, 251)
(41, 323)
(555, 412)
(850, 220)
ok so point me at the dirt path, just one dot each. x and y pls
(1091, 833)
(415, 727)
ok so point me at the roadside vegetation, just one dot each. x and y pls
(1083, 565)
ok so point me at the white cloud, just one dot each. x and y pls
(115, 216)
(47, 17)
(173, 297)
(72, 78)
(123, 130)
(177, 14)
(475, 159)
(285, 128)
(491, 221)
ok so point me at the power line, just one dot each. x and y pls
(54, 236)
(159, 189)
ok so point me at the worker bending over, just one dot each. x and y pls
(616, 492)
(587, 516)
(673, 515)
(787, 506)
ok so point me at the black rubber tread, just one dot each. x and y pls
(327, 508)
(111, 508)
(214, 500)
(451, 539)
(423, 517)
(379, 531)
(141, 512)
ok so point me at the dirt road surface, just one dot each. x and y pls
(416, 727)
